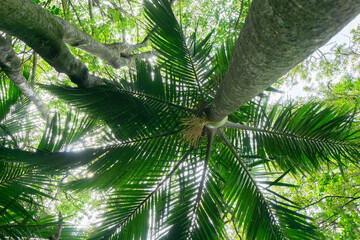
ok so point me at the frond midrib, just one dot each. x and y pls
(232, 150)
(292, 135)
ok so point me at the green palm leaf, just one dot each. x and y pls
(147, 114)
(149, 83)
(188, 60)
(299, 137)
(18, 185)
(133, 161)
(56, 138)
(257, 211)
(22, 178)
(41, 228)
(9, 94)
(136, 203)
(14, 114)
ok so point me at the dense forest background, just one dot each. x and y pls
(91, 163)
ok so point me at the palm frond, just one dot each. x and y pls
(48, 162)
(56, 138)
(138, 208)
(299, 137)
(196, 205)
(188, 60)
(220, 64)
(40, 228)
(14, 114)
(207, 218)
(124, 163)
(166, 201)
(250, 209)
(9, 94)
(148, 82)
(186, 198)
(23, 181)
(19, 185)
(130, 115)
(259, 215)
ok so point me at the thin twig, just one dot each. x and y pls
(236, 230)
(241, 10)
(316, 202)
(353, 199)
(77, 16)
(58, 233)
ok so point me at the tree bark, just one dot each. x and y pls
(116, 54)
(10, 64)
(40, 30)
(276, 36)
(47, 35)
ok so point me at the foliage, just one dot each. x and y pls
(331, 195)
(332, 75)
(124, 140)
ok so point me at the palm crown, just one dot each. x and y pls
(170, 173)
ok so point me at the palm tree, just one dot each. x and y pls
(273, 40)
(171, 172)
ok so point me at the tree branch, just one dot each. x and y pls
(58, 233)
(34, 66)
(236, 229)
(347, 203)
(10, 64)
(344, 197)
(40, 30)
(116, 54)
(77, 15)
(47, 35)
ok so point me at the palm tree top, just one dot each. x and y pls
(179, 155)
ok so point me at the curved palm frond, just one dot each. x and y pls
(260, 212)
(42, 228)
(24, 183)
(22, 189)
(133, 110)
(9, 94)
(14, 114)
(299, 137)
(140, 204)
(187, 59)
(132, 162)
(220, 64)
(56, 138)
(183, 202)
(149, 83)
(208, 205)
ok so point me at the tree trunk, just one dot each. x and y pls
(47, 35)
(276, 36)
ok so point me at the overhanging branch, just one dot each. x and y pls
(48, 35)
(10, 64)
